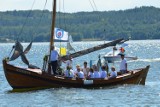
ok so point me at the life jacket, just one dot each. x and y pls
(122, 50)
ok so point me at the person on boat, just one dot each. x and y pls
(69, 61)
(69, 72)
(122, 50)
(103, 72)
(85, 69)
(54, 60)
(96, 72)
(80, 74)
(114, 48)
(76, 70)
(91, 73)
(113, 73)
(123, 65)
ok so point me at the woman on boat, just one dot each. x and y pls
(80, 74)
(96, 72)
(91, 73)
(69, 72)
(76, 70)
(103, 72)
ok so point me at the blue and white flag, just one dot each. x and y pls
(60, 34)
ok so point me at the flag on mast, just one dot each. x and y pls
(60, 34)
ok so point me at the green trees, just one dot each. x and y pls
(138, 23)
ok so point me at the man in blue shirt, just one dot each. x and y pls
(54, 60)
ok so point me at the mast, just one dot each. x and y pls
(52, 33)
(53, 25)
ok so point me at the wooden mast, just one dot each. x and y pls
(53, 26)
(52, 33)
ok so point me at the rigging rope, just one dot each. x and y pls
(64, 15)
(39, 21)
(25, 20)
(59, 13)
(93, 5)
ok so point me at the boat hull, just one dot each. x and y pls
(20, 78)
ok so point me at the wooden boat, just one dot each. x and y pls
(34, 78)
(20, 78)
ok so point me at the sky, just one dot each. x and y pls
(72, 6)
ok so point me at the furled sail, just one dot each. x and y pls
(18, 51)
(18, 48)
(89, 50)
(28, 48)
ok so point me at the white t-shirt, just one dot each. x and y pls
(123, 64)
(103, 74)
(54, 55)
(96, 74)
(85, 71)
(113, 74)
(69, 73)
(80, 74)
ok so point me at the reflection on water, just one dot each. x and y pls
(148, 53)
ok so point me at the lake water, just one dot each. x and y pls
(147, 51)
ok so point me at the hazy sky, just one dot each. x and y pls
(77, 5)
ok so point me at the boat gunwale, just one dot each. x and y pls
(30, 72)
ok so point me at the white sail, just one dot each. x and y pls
(69, 46)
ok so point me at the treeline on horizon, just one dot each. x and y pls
(35, 25)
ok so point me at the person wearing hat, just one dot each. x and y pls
(123, 64)
(113, 73)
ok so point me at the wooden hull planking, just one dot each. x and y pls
(20, 78)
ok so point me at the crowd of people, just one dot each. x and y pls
(89, 73)
(85, 71)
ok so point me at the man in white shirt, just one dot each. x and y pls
(54, 60)
(123, 65)
(85, 69)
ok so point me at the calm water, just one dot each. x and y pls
(148, 52)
